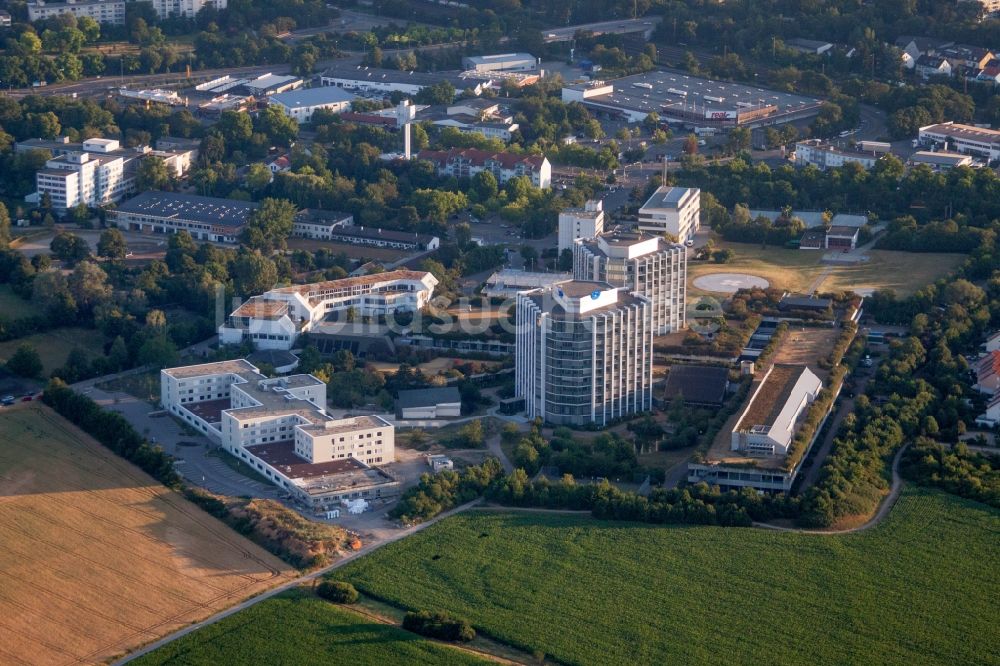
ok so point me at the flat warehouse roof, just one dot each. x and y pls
(654, 99)
(208, 210)
(313, 97)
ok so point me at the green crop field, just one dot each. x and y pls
(919, 589)
(296, 627)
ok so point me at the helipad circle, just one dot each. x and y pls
(729, 283)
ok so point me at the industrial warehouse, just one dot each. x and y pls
(688, 99)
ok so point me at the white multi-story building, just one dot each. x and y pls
(275, 319)
(672, 210)
(83, 178)
(279, 427)
(184, 8)
(467, 162)
(584, 353)
(97, 171)
(302, 104)
(585, 222)
(102, 11)
(967, 139)
(826, 156)
(647, 265)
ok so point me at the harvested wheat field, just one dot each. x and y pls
(96, 557)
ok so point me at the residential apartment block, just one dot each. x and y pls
(823, 155)
(184, 8)
(585, 222)
(280, 428)
(647, 265)
(584, 353)
(97, 171)
(467, 162)
(672, 210)
(102, 11)
(93, 177)
(275, 319)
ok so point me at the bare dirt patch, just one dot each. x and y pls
(98, 558)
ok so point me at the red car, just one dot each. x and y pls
(27, 398)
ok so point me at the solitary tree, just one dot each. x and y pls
(25, 362)
(112, 245)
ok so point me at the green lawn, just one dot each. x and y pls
(797, 270)
(54, 346)
(919, 589)
(298, 628)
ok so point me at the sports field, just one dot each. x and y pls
(919, 589)
(96, 557)
(802, 270)
(297, 627)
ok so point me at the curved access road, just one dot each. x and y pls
(878, 517)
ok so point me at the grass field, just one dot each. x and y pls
(298, 628)
(54, 346)
(919, 589)
(96, 557)
(798, 270)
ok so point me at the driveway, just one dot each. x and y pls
(189, 448)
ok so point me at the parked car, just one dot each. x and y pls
(27, 398)
(7, 400)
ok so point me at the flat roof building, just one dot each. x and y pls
(586, 222)
(376, 237)
(584, 353)
(500, 62)
(672, 210)
(205, 218)
(211, 218)
(369, 80)
(823, 155)
(430, 403)
(940, 160)
(966, 139)
(272, 84)
(641, 264)
(280, 427)
(302, 104)
(702, 385)
(692, 100)
(768, 423)
(508, 282)
(103, 11)
(275, 319)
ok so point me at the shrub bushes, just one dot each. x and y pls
(439, 625)
(337, 591)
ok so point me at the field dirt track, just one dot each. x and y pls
(96, 557)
